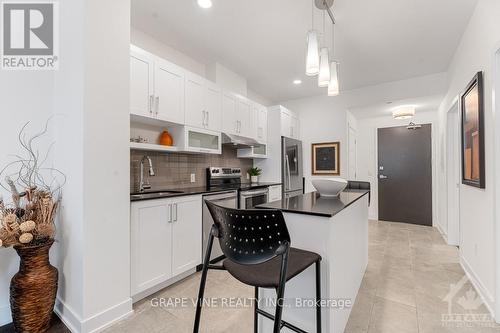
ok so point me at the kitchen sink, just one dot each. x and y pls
(153, 195)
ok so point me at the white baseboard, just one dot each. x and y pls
(485, 295)
(5, 316)
(95, 323)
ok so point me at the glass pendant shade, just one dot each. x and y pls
(324, 68)
(333, 85)
(312, 58)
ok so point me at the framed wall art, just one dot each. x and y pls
(472, 114)
(326, 159)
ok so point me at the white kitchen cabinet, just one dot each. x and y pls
(244, 117)
(169, 92)
(230, 124)
(259, 151)
(274, 193)
(197, 140)
(203, 103)
(213, 106)
(151, 240)
(141, 83)
(166, 240)
(194, 100)
(156, 87)
(187, 234)
(289, 124)
(260, 123)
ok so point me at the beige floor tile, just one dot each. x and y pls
(396, 290)
(359, 320)
(393, 317)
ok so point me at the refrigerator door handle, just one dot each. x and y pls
(289, 185)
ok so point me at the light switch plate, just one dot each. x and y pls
(193, 178)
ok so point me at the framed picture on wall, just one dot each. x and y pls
(326, 159)
(472, 111)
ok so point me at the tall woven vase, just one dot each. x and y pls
(33, 289)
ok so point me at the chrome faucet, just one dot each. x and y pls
(145, 185)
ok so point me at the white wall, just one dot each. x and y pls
(324, 119)
(149, 43)
(477, 220)
(320, 122)
(367, 153)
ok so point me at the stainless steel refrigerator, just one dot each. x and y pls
(291, 167)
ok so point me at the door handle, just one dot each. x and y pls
(208, 117)
(175, 218)
(382, 177)
(288, 172)
(204, 117)
(157, 104)
(169, 213)
(151, 103)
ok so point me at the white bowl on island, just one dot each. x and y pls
(329, 187)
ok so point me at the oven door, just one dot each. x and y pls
(250, 199)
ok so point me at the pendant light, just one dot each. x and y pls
(324, 63)
(324, 68)
(312, 57)
(312, 62)
(333, 85)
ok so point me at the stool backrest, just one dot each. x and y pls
(249, 236)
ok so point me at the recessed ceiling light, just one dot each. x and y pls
(205, 3)
(297, 81)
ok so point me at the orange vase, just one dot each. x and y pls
(166, 139)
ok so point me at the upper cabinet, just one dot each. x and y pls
(164, 92)
(230, 122)
(237, 114)
(169, 92)
(244, 117)
(141, 83)
(203, 103)
(289, 123)
(156, 87)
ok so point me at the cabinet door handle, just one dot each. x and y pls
(204, 117)
(157, 104)
(151, 103)
(175, 218)
(208, 117)
(169, 213)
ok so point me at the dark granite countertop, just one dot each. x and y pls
(178, 192)
(313, 204)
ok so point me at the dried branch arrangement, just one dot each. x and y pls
(29, 218)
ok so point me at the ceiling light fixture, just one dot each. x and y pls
(404, 112)
(333, 85)
(318, 63)
(297, 82)
(324, 68)
(205, 3)
(312, 57)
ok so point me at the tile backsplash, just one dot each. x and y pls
(173, 170)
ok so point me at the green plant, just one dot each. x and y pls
(254, 171)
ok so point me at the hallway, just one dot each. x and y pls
(409, 274)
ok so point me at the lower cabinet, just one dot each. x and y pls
(166, 236)
(274, 193)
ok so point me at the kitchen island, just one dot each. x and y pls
(337, 229)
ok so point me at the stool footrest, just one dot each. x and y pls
(283, 323)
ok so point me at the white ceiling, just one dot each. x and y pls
(377, 41)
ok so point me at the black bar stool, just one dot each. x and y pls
(256, 244)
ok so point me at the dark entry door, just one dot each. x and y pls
(405, 175)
